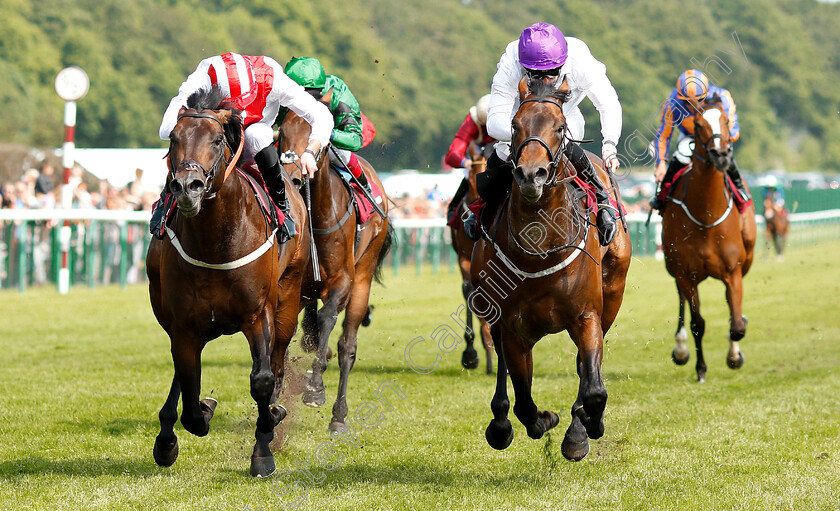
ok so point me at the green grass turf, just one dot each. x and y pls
(83, 375)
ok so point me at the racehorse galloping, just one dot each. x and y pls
(221, 271)
(349, 259)
(704, 235)
(463, 246)
(776, 219)
(540, 265)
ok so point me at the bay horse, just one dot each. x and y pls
(703, 236)
(777, 225)
(349, 259)
(463, 247)
(539, 269)
(221, 271)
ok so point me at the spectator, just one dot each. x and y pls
(44, 183)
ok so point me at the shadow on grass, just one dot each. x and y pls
(94, 466)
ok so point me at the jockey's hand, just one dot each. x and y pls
(608, 155)
(659, 173)
(308, 165)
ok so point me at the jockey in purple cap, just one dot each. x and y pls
(542, 52)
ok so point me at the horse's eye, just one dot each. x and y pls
(219, 140)
(562, 128)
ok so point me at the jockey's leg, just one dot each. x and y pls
(269, 164)
(456, 199)
(344, 158)
(159, 211)
(606, 215)
(673, 167)
(735, 175)
(492, 186)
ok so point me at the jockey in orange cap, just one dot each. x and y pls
(692, 88)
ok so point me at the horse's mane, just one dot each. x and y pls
(712, 101)
(543, 90)
(214, 99)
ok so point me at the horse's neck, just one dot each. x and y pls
(475, 170)
(220, 217)
(705, 189)
(552, 220)
(323, 187)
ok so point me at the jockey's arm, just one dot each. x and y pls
(504, 94)
(457, 155)
(293, 96)
(198, 79)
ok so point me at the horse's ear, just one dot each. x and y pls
(523, 88)
(564, 87)
(327, 98)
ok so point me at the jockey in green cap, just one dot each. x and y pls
(346, 136)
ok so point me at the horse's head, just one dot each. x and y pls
(293, 137)
(711, 133)
(539, 136)
(200, 146)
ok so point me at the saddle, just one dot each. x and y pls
(362, 205)
(667, 189)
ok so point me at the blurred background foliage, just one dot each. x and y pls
(417, 67)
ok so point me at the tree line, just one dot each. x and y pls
(416, 67)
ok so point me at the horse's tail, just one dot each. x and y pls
(390, 238)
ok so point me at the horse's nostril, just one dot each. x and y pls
(518, 174)
(175, 187)
(195, 185)
(542, 175)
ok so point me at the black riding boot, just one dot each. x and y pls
(606, 216)
(673, 166)
(158, 212)
(735, 175)
(362, 179)
(456, 199)
(492, 185)
(269, 165)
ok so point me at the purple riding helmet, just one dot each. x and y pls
(542, 46)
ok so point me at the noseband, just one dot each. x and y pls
(554, 157)
(192, 165)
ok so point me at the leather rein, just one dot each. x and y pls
(209, 175)
(554, 157)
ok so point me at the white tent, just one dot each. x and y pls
(118, 166)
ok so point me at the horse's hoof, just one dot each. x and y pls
(701, 378)
(337, 426)
(680, 357)
(735, 364)
(278, 413)
(314, 398)
(574, 451)
(208, 407)
(499, 438)
(469, 359)
(575, 444)
(165, 455)
(367, 319)
(262, 466)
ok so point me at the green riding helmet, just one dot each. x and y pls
(307, 72)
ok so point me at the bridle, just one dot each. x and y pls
(209, 175)
(554, 157)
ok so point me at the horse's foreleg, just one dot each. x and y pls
(166, 443)
(499, 432)
(353, 316)
(487, 339)
(520, 366)
(339, 292)
(737, 322)
(688, 290)
(195, 414)
(680, 354)
(469, 359)
(588, 409)
(261, 339)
